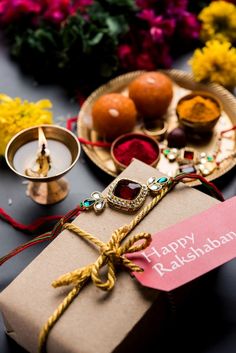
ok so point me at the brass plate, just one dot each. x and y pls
(183, 84)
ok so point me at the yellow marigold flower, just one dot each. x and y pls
(16, 115)
(216, 62)
(218, 21)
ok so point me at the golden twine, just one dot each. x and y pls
(111, 254)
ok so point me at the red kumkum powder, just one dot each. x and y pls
(143, 150)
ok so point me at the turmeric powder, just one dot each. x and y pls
(198, 109)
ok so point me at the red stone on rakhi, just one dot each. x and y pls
(127, 189)
(189, 155)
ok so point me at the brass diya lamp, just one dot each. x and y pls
(42, 155)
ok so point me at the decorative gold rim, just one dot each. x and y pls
(127, 205)
(182, 79)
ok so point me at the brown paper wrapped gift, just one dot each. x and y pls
(96, 322)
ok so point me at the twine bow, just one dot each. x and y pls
(112, 254)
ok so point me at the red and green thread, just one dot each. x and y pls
(50, 235)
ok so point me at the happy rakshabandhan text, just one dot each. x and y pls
(186, 242)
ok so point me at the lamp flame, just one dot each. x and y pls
(43, 161)
(42, 143)
(41, 138)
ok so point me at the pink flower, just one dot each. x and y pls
(145, 62)
(146, 40)
(3, 6)
(160, 27)
(164, 57)
(176, 7)
(147, 15)
(126, 56)
(13, 9)
(27, 6)
(144, 4)
(52, 10)
(168, 26)
(58, 10)
(157, 34)
(163, 28)
(189, 26)
(124, 50)
(80, 5)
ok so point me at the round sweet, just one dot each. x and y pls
(113, 115)
(177, 138)
(152, 93)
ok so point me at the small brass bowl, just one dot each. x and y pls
(128, 137)
(156, 129)
(195, 124)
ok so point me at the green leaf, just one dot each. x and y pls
(96, 39)
(118, 25)
(46, 35)
(113, 25)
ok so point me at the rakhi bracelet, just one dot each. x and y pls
(129, 195)
(98, 201)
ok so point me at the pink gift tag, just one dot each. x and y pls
(189, 249)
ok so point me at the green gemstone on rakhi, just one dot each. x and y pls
(166, 151)
(210, 158)
(162, 180)
(88, 203)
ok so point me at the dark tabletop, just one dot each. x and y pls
(205, 323)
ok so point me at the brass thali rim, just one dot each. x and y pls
(180, 77)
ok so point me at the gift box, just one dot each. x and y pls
(96, 321)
